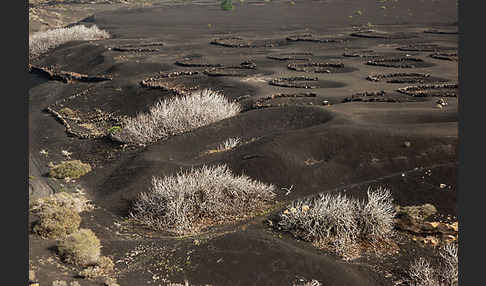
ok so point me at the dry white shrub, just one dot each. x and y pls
(340, 220)
(421, 273)
(321, 217)
(183, 202)
(177, 115)
(449, 271)
(376, 215)
(41, 42)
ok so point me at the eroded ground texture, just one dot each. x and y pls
(315, 126)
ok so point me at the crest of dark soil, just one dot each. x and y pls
(134, 49)
(308, 37)
(83, 58)
(383, 35)
(405, 78)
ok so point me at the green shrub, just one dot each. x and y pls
(69, 169)
(80, 248)
(114, 129)
(56, 221)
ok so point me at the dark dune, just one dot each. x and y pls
(295, 141)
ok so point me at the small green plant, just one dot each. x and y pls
(114, 129)
(227, 5)
(69, 169)
(56, 222)
(80, 248)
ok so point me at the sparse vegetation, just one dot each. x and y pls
(104, 267)
(227, 5)
(340, 222)
(80, 248)
(177, 115)
(55, 221)
(376, 215)
(229, 144)
(226, 145)
(72, 169)
(114, 129)
(421, 272)
(41, 42)
(74, 201)
(58, 214)
(192, 199)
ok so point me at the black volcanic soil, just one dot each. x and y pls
(295, 141)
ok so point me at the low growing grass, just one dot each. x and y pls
(177, 115)
(341, 222)
(192, 199)
(72, 169)
(80, 248)
(41, 42)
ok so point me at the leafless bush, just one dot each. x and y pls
(41, 42)
(376, 215)
(449, 271)
(340, 220)
(421, 273)
(190, 199)
(178, 115)
(321, 217)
